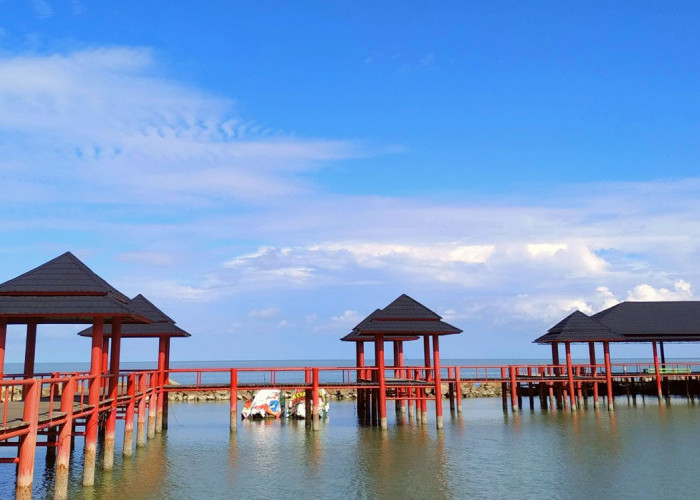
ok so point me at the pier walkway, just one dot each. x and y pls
(53, 409)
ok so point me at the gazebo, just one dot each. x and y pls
(628, 322)
(406, 317)
(65, 291)
(360, 339)
(161, 327)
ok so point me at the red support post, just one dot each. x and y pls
(105, 355)
(557, 374)
(60, 491)
(608, 375)
(570, 375)
(657, 371)
(152, 402)
(3, 338)
(397, 374)
(361, 394)
(29, 354)
(162, 341)
(233, 397)
(423, 392)
(141, 419)
(27, 442)
(316, 407)
(504, 389)
(402, 373)
(458, 388)
(111, 426)
(129, 416)
(513, 389)
(382, 381)
(165, 382)
(90, 452)
(307, 397)
(438, 381)
(594, 373)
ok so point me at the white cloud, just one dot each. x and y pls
(103, 123)
(349, 317)
(267, 312)
(682, 290)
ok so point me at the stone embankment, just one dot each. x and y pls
(469, 390)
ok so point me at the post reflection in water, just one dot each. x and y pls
(482, 455)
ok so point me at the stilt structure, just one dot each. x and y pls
(406, 317)
(163, 328)
(64, 291)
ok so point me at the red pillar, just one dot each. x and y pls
(557, 373)
(64, 438)
(570, 374)
(657, 371)
(438, 381)
(105, 365)
(402, 373)
(141, 419)
(361, 396)
(458, 385)
(93, 400)
(397, 374)
(29, 352)
(165, 382)
(233, 399)
(152, 405)
(307, 397)
(111, 426)
(105, 355)
(129, 416)
(423, 392)
(608, 374)
(382, 382)
(591, 353)
(162, 341)
(316, 425)
(3, 337)
(513, 389)
(27, 442)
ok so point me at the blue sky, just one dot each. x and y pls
(270, 173)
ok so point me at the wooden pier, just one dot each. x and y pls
(51, 410)
(55, 408)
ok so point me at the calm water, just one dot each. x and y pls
(638, 452)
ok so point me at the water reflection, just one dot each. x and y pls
(484, 454)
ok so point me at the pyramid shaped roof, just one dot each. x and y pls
(405, 317)
(406, 308)
(63, 290)
(162, 325)
(578, 327)
(64, 275)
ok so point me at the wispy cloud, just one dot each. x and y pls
(105, 124)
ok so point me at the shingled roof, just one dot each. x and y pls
(631, 322)
(406, 308)
(64, 275)
(405, 316)
(645, 321)
(63, 290)
(162, 325)
(578, 327)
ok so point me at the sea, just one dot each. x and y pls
(641, 450)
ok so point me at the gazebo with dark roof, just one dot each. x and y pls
(629, 322)
(64, 290)
(405, 317)
(161, 327)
